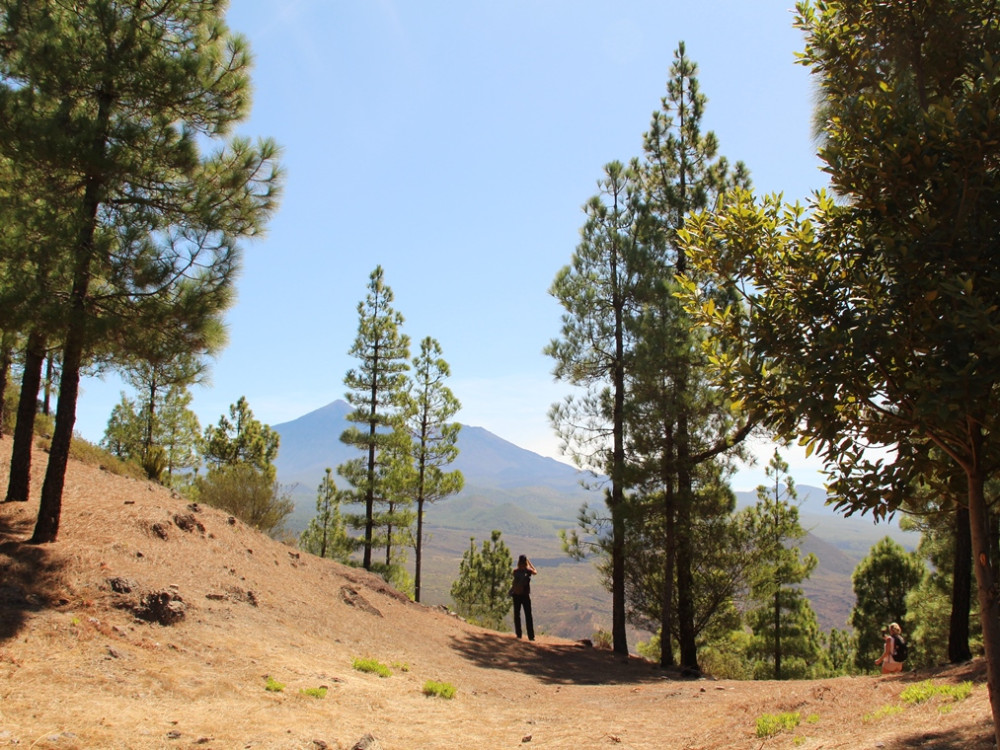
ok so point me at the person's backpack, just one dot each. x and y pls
(900, 649)
(522, 582)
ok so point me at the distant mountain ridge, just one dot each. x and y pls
(311, 443)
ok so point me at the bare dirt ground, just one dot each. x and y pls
(81, 668)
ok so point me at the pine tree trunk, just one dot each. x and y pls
(961, 590)
(19, 481)
(5, 356)
(418, 550)
(685, 563)
(986, 580)
(777, 633)
(50, 506)
(669, 558)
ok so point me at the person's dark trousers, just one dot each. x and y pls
(525, 602)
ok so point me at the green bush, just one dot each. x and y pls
(439, 689)
(769, 725)
(317, 692)
(249, 494)
(372, 666)
(273, 686)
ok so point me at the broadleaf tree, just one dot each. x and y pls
(872, 317)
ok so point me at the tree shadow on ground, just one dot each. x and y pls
(970, 738)
(556, 663)
(30, 576)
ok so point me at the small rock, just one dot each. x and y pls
(368, 742)
(122, 585)
(526, 738)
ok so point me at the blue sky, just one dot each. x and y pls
(454, 144)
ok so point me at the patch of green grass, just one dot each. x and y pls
(316, 692)
(812, 719)
(401, 666)
(439, 689)
(273, 686)
(372, 666)
(769, 725)
(881, 713)
(924, 691)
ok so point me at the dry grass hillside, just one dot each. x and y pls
(85, 661)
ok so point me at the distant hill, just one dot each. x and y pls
(311, 443)
(530, 498)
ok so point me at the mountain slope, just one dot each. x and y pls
(84, 665)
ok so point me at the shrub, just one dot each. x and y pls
(273, 686)
(439, 689)
(603, 639)
(317, 692)
(769, 725)
(371, 666)
(249, 494)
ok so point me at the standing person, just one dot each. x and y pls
(894, 650)
(521, 591)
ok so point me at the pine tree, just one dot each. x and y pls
(434, 438)
(165, 441)
(178, 434)
(481, 591)
(782, 620)
(377, 391)
(240, 453)
(326, 534)
(106, 107)
(598, 293)
(682, 173)
(241, 439)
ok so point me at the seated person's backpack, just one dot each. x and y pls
(900, 649)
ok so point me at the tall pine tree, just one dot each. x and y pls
(108, 106)
(434, 438)
(598, 293)
(377, 391)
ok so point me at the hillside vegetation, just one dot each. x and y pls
(152, 623)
